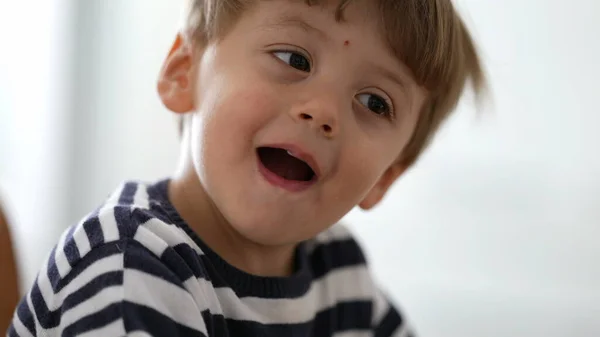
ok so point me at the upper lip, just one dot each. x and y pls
(301, 154)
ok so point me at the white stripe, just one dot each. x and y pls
(20, 327)
(335, 287)
(323, 294)
(106, 216)
(113, 199)
(140, 199)
(204, 294)
(62, 264)
(150, 240)
(81, 239)
(92, 305)
(138, 334)
(115, 328)
(55, 301)
(380, 307)
(171, 234)
(353, 334)
(164, 297)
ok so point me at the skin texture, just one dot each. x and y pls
(247, 90)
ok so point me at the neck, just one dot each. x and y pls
(191, 200)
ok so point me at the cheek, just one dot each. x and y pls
(362, 169)
(231, 113)
(235, 105)
(364, 164)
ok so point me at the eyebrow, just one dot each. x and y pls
(297, 22)
(392, 76)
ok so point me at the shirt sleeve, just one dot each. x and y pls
(117, 289)
(388, 321)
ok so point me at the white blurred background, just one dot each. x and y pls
(494, 232)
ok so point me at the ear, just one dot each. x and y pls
(384, 183)
(176, 78)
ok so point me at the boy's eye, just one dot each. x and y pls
(294, 59)
(375, 103)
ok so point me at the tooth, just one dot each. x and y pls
(293, 155)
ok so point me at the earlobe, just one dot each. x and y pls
(175, 81)
(382, 186)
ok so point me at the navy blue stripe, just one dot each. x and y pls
(70, 249)
(390, 322)
(98, 253)
(96, 285)
(201, 266)
(249, 328)
(176, 264)
(157, 211)
(126, 225)
(251, 286)
(52, 271)
(93, 230)
(215, 277)
(47, 319)
(51, 319)
(138, 317)
(24, 314)
(159, 190)
(140, 258)
(336, 254)
(345, 316)
(93, 321)
(158, 200)
(190, 258)
(127, 194)
(215, 324)
(141, 215)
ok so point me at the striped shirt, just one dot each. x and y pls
(134, 268)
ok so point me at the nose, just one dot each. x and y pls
(326, 127)
(322, 115)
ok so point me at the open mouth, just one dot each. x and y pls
(285, 165)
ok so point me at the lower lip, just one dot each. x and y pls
(289, 185)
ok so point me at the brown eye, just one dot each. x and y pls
(375, 103)
(294, 60)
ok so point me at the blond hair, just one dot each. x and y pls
(428, 36)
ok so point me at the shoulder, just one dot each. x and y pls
(117, 288)
(126, 264)
(134, 212)
(131, 227)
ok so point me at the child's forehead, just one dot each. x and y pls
(339, 11)
(325, 19)
(358, 27)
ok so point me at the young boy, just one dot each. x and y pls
(293, 113)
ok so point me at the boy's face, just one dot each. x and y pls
(288, 81)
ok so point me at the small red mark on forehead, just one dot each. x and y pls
(346, 43)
